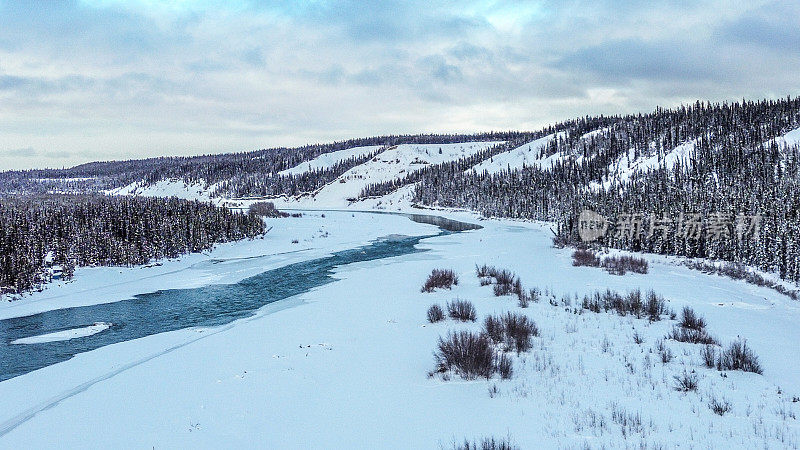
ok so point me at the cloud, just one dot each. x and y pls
(625, 60)
(775, 26)
(26, 152)
(103, 79)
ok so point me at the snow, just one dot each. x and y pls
(789, 139)
(166, 188)
(628, 166)
(65, 335)
(345, 365)
(392, 164)
(328, 160)
(525, 155)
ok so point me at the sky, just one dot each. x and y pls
(105, 79)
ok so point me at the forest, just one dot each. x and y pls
(737, 183)
(43, 236)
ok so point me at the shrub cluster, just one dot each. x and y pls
(468, 354)
(616, 265)
(692, 329)
(686, 382)
(634, 303)
(514, 331)
(462, 310)
(472, 355)
(505, 283)
(440, 278)
(720, 407)
(620, 265)
(585, 257)
(738, 356)
(486, 444)
(435, 314)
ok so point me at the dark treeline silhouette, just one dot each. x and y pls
(42, 236)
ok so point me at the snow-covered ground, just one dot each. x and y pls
(328, 160)
(345, 365)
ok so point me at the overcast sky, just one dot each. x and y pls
(106, 79)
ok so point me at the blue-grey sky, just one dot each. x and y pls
(113, 79)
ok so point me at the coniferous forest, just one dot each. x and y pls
(38, 233)
(737, 184)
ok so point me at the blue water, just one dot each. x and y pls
(175, 309)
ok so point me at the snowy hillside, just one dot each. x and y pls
(529, 154)
(789, 139)
(166, 188)
(392, 164)
(328, 160)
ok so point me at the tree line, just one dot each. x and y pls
(39, 232)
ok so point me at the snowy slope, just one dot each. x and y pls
(327, 160)
(789, 139)
(525, 155)
(628, 166)
(166, 188)
(392, 164)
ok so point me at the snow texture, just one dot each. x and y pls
(346, 365)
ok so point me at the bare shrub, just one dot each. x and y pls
(487, 444)
(517, 287)
(494, 328)
(519, 330)
(620, 265)
(691, 336)
(738, 356)
(686, 382)
(486, 281)
(462, 310)
(503, 277)
(468, 354)
(655, 307)
(523, 298)
(504, 366)
(483, 271)
(691, 321)
(632, 303)
(720, 407)
(440, 278)
(502, 289)
(435, 314)
(584, 257)
(709, 355)
(664, 352)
